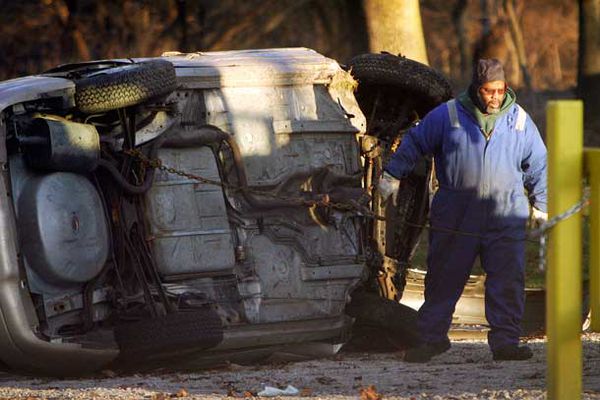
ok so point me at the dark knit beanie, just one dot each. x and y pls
(487, 70)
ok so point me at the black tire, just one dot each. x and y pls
(405, 75)
(403, 228)
(125, 86)
(412, 209)
(156, 337)
(391, 321)
(393, 92)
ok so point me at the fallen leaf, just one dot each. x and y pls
(248, 394)
(159, 396)
(370, 393)
(306, 392)
(182, 393)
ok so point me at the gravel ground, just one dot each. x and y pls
(467, 371)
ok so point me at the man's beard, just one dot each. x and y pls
(489, 109)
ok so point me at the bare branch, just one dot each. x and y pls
(517, 37)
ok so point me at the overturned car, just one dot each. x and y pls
(206, 205)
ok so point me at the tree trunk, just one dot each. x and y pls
(489, 14)
(459, 16)
(182, 22)
(503, 40)
(74, 46)
(395, 26)
(589, 77)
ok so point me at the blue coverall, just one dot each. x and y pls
(481, 191)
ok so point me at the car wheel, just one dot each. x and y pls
(391, 87)
(124, 86)
(406, 219)
(402, 232)
(394, 92)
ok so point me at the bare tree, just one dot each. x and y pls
(489, 14)
(502, 38)
(395, 26)
(72, 40)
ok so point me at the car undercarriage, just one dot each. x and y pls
(203, 206)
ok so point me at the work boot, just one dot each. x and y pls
(512, 352)
(425, 351)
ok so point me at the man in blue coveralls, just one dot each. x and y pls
(487, 151)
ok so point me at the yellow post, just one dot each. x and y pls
(564, 274)
(592, 164)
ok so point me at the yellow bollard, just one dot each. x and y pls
(592, 164)
(564, 274)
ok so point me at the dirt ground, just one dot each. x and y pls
(467, 371)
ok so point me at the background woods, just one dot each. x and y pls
(537, 39)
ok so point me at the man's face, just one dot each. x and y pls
(492, 95)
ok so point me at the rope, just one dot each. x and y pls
(538, 235)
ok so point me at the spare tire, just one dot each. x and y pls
(406, 76)
(124, 86)
(156, 337)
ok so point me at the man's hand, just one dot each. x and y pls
(388, 186)
(538, 217)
